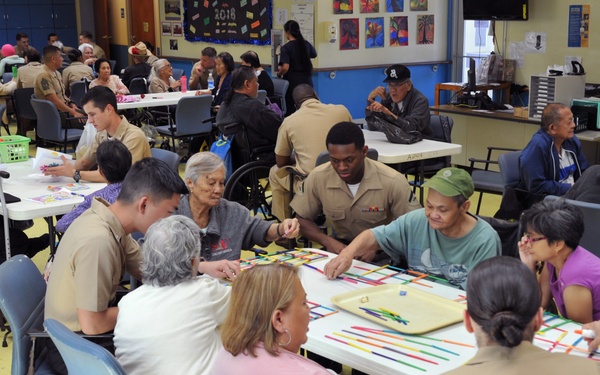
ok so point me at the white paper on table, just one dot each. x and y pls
(45, 157)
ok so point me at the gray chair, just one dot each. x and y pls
(177, 73)
(192, 119)
(22, 293)
(81, 356)
(486, 180)
(50, 129)
(23, 109)
(6, 77)
(169, 157)
(113, 65)
(591, 216)
(77, 90)
(280, 89)
(262, 96)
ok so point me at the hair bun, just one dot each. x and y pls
(506, 329)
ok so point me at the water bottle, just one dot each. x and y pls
(14, 71)
(211, 81)
(183, 81)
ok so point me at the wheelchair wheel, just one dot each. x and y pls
(250, 187)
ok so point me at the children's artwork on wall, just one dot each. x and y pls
(395, 5)
(398, 31)
(343, 6)
(173, 10)
(425, 29)
(374, 32)
(416, 5)
(349, 33)
(369, 6)
(228, 21)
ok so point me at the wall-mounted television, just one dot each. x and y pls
(495, 10)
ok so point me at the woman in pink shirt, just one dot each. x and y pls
(105, 78)
(266, 324)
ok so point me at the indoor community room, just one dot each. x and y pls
(299, 187)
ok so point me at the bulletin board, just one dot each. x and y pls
(229, 21)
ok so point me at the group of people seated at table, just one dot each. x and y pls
(193, 236)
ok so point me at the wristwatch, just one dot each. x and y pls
(77, 175)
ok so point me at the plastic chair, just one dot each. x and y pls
(169, 157)
(192, 119)
(22, 292)
(80, 355)
(113, 64)
(23, 107)
(7, 77)
(280, 89)
(177, 73)
(262, 96)
(487, 181)
(591, 215)
(138, 86)
(51, 129)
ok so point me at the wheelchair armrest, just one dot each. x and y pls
(487, 163)
(263, 149)
(228, 129)
(502, 148)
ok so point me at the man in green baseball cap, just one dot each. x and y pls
(442, 239)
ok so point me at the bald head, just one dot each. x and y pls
(302, 93)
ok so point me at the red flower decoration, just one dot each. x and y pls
(135, 51)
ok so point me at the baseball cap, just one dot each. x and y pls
(396, 73)
(451, 182)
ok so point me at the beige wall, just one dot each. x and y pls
(551, 16)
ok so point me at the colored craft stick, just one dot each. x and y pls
(372, 313)
(427, 275)
(373, 352)
(543, 330)
(574, 344)
(559, 344)
(395, 336)
(363, 279)
(388, 276)
(562, 335)
(314, 268)
(415, 279)
(552, 317)
(386, 348)
(396, 344)
(375, 270)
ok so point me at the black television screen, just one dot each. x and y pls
(505, 10)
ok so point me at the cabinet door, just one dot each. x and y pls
(2, 17)
(42, 16)
(72, 2)
(64, 16)
(17, 16)
(49, 2)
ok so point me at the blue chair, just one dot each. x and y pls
(138, 86)
(6, 77)
(22, 293)
(169, 157)
(78, 90)
(50, 129)
(192, 119)
(177, 73)
(80, 355)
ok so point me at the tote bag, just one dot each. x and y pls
(222, 147)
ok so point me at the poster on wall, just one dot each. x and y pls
(172, 10)
(398, 31)
(418, 5)
(425, 29)
(343, 6)
(369, 6)
(374, 32)
(579, 26)
(229, 21)
(177, 29)
(395, 6)
(166, 28)
(349, 33)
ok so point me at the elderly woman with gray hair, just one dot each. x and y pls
(228, 226)
(161, 77)
(170, 324)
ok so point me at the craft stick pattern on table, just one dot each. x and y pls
(289, 257)
(318, 311)
(375, 353)
(556, 326)
(399, 336)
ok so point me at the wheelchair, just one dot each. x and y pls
(249, 183)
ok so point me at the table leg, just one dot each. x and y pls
(436, 96)
(51, 233)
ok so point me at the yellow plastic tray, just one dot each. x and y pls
(424, 311)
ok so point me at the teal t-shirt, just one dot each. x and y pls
(428, 250)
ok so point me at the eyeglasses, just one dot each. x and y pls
(532, 240)
(396, 86)
(166, 66)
